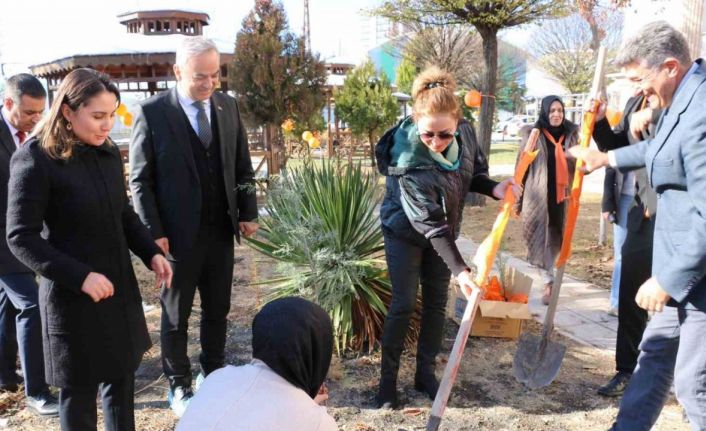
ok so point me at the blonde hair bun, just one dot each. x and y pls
(433, 93)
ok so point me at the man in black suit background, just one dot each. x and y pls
(639, 122)
(20, 323)
(192, 184)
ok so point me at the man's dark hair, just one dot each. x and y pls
(24, 84)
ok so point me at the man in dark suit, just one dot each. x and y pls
(20, 324)
(638, 219)
(672, 349)
(192, 184)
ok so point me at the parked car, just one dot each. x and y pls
(515, 123)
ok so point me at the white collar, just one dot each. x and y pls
(185, 100)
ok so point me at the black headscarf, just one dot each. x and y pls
(543, 120)
(294, 337)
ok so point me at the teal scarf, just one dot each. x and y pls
(409, 150)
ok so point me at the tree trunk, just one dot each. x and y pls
(371, 141)
(274, 158)
(487, 109)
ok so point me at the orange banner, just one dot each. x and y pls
(572, 213)
(485, 255)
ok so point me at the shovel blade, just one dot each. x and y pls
(537, 363)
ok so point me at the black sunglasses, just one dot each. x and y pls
(444, 136)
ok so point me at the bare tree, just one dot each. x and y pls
(458, 49)
(455, 48)
(599, 16)
(564, 48)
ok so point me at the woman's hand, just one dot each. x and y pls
(322, 395)
(162, 271)
(467, 285)
(97, 286)
(499, 190)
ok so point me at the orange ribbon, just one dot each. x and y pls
(485, 255)
(589, 121)
(561, 167)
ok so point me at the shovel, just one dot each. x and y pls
(452, 366)
(538, 359)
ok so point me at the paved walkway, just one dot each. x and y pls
(581, 312)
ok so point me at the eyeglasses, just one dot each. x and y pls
(649, 76)
(428, 136)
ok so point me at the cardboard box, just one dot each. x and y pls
(496, 318)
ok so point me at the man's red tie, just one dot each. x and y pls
(22, 136)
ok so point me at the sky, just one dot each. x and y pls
(33, 31)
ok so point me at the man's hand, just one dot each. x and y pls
(162, 271)
(640, 121)
(248, 228)
(163, 243)
(651, 296)
(97, 286)
(593, 159)
(602, 106)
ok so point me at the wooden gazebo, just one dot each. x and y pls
(141, 60)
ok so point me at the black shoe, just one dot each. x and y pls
(427, 383)
(616, 386)
(43, 404)
(387, 395)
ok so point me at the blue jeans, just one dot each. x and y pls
(21, 327)
(620, 231)
(671, 350)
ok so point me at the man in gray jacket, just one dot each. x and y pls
(657, 59)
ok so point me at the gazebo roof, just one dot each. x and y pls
(121, 49)
(164, 13)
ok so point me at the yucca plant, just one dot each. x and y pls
(322, 228)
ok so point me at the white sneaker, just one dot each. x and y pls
(199, 379)
(179, 399)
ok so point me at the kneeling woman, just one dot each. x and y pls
(70, 178)
(431, 161)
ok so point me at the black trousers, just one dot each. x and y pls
(77, 406)
(408, 265)
(636, 269)
(208, 267)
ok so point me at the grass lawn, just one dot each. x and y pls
(503, 153)
(589, 261)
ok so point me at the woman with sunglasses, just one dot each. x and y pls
(546, 188)
(431, 161)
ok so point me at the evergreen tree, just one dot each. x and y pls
(273, 75)
(366, 103)
(406, 72)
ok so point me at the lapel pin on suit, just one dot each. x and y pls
(219, 107)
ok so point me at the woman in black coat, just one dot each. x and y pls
(70, 178)
(431, 161)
